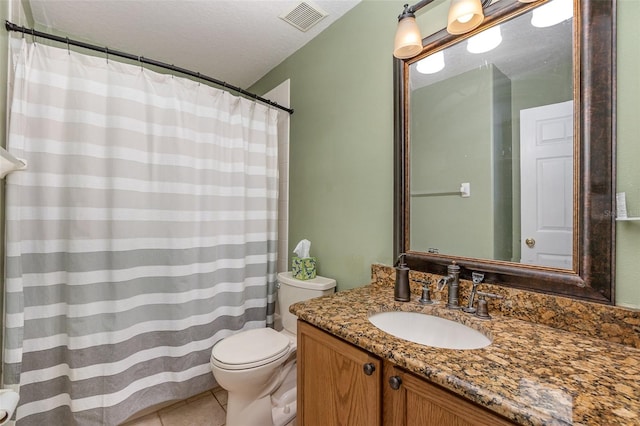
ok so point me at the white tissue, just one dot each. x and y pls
(302, 249)
(8, 403)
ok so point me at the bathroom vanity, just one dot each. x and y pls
(530, 374)
(338, 380)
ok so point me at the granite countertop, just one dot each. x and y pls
(531, 373)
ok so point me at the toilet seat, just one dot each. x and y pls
(250, 349)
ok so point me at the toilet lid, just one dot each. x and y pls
(251, 347)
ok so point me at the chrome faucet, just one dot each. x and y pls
(453, 281)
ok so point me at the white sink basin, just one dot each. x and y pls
(429, 330)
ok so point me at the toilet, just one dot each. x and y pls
(258, 367)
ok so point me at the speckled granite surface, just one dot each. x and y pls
(616, 324)
(532, 373)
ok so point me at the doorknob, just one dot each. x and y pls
(530, 242)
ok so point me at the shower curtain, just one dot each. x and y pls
(143, 231)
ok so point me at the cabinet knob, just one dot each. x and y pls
(395, 382)
(369, 368)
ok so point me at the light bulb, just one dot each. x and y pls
(552, 13)
(465, 18)
(431, 64)
(485, 41)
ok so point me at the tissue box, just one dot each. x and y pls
(303, 269)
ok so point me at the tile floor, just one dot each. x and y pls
(205, 409)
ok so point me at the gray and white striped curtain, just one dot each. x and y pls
(143, 231)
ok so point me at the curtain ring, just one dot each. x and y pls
(68, 49)
(140, 58)
(106, 53)
(33, 35)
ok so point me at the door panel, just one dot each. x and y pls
(546, 161)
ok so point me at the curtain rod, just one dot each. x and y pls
(13, 27)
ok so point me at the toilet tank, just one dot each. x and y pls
(292, 290)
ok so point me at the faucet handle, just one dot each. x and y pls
(482, 311)
(489, 295)
(442, 282)
(426, 293)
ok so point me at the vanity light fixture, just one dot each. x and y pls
(431, 64)
(408, 41)
(485, 41)
(464, 16)
(552, 13)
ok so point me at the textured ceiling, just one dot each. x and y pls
(234, 41)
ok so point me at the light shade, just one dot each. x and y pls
(552, 13)
(485, 41)
(464, 16)
(408, 42)
(431, 64)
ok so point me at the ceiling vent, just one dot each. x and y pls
(304, 16)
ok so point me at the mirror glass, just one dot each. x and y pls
(491, 143)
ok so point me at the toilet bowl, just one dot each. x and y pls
(258, 367)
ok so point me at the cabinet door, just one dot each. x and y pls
(338, 383)
(417, 402)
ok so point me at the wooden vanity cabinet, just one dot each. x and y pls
(338, 383)
(417, 402)
(341, 384)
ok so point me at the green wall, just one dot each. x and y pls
(628, 233)
(342, 135)
(341, 152)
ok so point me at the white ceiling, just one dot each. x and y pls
(234, 41)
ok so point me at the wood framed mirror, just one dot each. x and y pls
(589, 266)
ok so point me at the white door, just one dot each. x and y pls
(546, 183)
